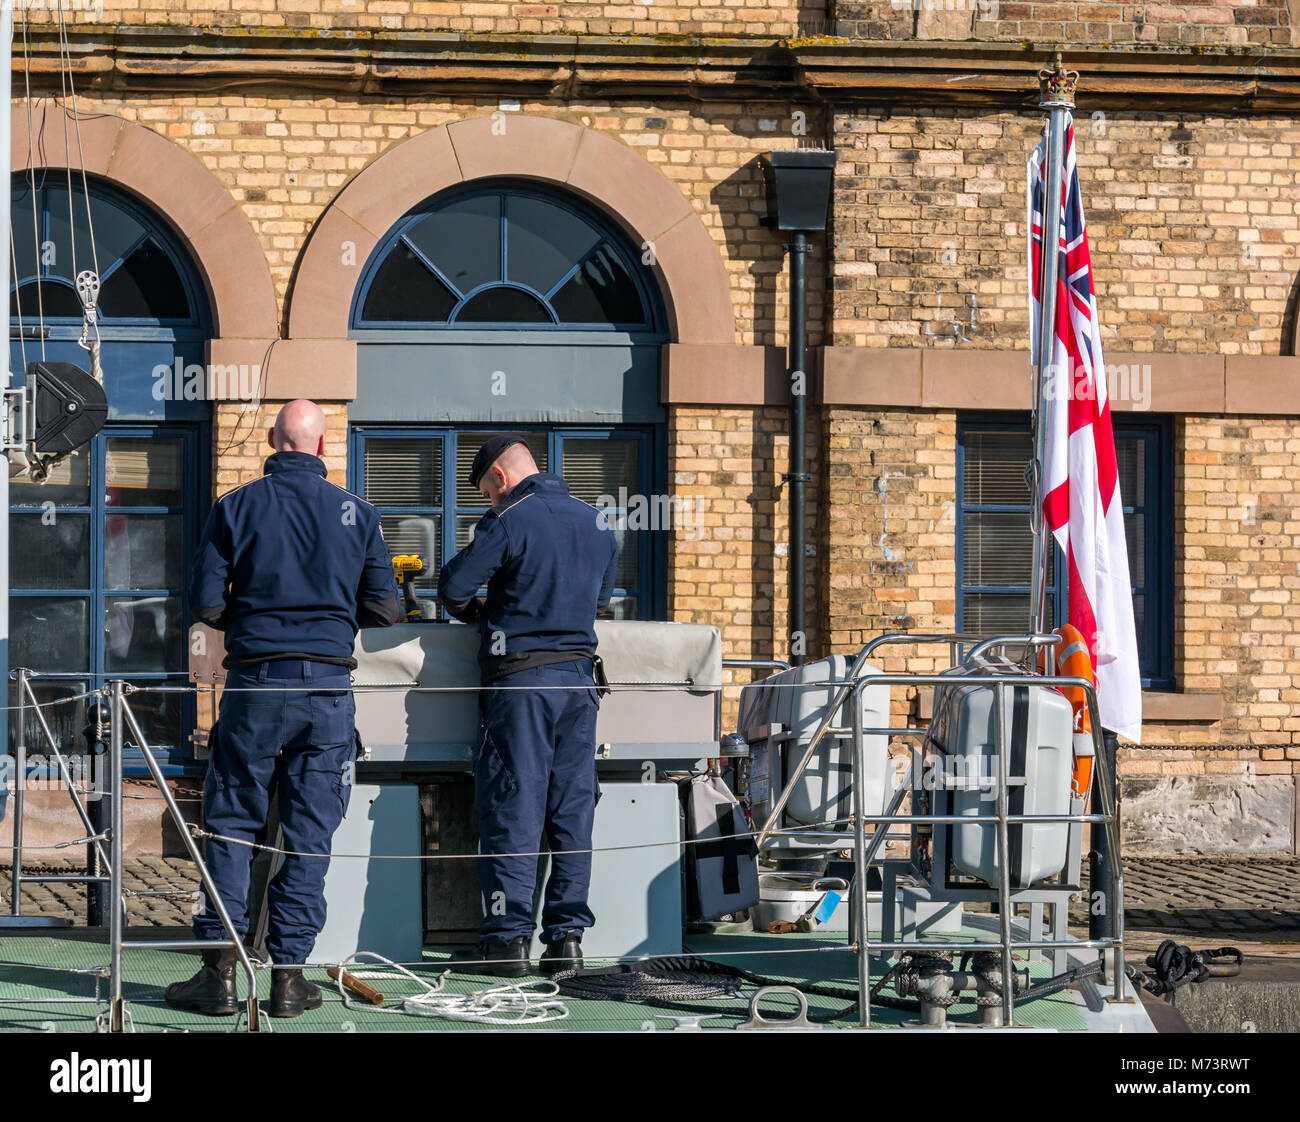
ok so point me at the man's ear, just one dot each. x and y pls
(320, 447)
(270, 436)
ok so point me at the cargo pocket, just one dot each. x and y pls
(494, 782)
(333, 719)
(232, 806)
(322, 783)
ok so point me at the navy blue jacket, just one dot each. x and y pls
(289, 566)
(549, 562)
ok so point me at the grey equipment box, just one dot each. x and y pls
(636, 893)
(1039, 727)
(374, 904)
(429, 712)
(778, 717)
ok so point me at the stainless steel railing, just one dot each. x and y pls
(866, 853)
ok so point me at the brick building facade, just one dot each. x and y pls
(282, 141)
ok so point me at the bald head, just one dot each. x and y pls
(299, 427)
(508, 470)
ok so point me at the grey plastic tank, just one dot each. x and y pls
(1040, 728)
(791, 704)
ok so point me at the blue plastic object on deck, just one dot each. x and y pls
(826, 908)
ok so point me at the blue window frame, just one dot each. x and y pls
(99, 554)
(417, 477)
(994, 543)
(98, 562)
(506, 255)
(1145, 456)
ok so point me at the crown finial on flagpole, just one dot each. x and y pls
(1056, 85)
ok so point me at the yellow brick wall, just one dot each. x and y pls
(240, 447)
(1193, 227)
(712, 18)
(1206, 22)
(1237, 576)
(890, 491)
(734, 573)
(1193, 230)
(285, 160)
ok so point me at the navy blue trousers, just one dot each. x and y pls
(299, 739)
(535, 790)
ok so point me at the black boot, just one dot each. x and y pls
(564, 955)
(292, 994)
(212, 989)
(502, 960)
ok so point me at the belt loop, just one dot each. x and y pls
(263, 669)
(306, 671)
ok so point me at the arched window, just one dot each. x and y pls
(505, 256)
(143, 275)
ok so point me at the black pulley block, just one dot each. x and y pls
(69, 406)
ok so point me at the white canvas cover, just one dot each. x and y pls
(658, 656)
(635, 652)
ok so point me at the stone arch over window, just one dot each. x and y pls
(197, 205)
(653, 213)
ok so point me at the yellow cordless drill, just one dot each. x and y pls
(406, 566)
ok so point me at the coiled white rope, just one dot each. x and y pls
(508, 1003)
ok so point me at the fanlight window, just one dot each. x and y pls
(138, 275)
(505, 258)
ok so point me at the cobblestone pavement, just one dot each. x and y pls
(1234, 895)
(1198, 896)
(174, 875)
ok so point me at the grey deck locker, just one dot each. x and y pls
(1039, 724)
(779, 716)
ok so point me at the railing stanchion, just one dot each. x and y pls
(210, 892)
(116, 900)
(1004, 853)
(1107, 789)
(20, 788)
(860, 865)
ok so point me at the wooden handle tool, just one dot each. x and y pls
(357, 986)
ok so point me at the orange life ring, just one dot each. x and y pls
(1070, 659)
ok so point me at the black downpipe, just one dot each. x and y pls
(798, 478)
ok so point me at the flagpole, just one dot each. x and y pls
(6, 62)
(1057, 99)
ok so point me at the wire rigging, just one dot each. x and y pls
(31, 181)
(86, 281)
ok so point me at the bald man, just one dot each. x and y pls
(289, 566)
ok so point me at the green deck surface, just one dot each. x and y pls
(38, 970)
